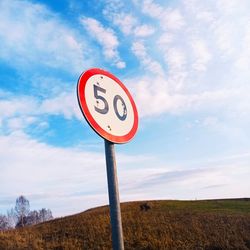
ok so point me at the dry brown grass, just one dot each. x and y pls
(210, 225)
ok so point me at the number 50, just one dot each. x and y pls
(105, 109)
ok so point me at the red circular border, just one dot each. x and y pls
(89, 118)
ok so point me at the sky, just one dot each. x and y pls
(186, 64)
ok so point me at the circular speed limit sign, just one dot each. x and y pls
(107, 105)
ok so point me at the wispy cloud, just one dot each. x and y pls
(204, 59)
(64, 104)
(17, 113)
(157, 92)
(31, 35)
(12, 106)
(189, 183)
(106, 38)
(139, 49)
(51, 175)
(70, 176)
(125, 21)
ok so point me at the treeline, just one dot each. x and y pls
(21, 215)
(207, 225)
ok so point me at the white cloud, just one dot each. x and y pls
(151, 8)
(172, 19)
(64, 104)
(184, 62)
(114, 12)
(218, 178)
(198, 183)
(243, 61)
(126, 22)
(49, 86)
(165, 39)
(139, 49)
(229, 7)
(144, 31)
(154, 96)
(19, 123)
(31, 35)
(202, 55)
(175, 58)
(13, 106)
(105, 37)
(205, 16)
(38, 168)
(169, 18)
(63, 178)
(120, 65)
(19, 112)
(51, 175)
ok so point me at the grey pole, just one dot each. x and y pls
(114, 202)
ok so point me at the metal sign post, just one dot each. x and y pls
(110, 110)
(114, 201)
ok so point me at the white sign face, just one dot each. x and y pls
(107, 105)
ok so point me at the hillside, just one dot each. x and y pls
(210, 225)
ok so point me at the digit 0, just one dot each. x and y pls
(124, 115)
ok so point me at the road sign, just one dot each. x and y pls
(110, 110)
(107, 105)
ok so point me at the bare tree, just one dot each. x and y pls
(21, 215)
(4, 225)
(45, 215)
(12, 217)
(32, 218)
(22, 209)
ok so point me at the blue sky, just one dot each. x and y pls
(186, 64)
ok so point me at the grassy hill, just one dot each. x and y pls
(210, 225)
